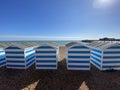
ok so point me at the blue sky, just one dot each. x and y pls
(59, 19)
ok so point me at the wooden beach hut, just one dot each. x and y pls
(19, 56)
(106, 56)
(77, 56)
(47, 56)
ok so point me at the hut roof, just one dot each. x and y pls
(52, 44)
(105, 46)
(21, 45)
(4, 44)
(69, 45)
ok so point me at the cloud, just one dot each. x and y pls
(103, 3)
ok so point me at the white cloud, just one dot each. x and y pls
(103, 3)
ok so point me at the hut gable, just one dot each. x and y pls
(114, 47)
(44, 47)
(13, 47)
(106, 56)
(47, 56)
(48, 46)
(77, 56)
(110, 46)
(77, 45)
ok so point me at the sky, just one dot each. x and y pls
(59, 19)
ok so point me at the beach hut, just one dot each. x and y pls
(2, 57)
(77, 56)
(47, 56)
(106, 56)
(2, 54)
(19, 56)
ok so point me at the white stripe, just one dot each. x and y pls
(96, 57)
(31, 60)
(14, 54)
(10, 50)
(115, 59)
(47, 54)
(16, 63)
(78, 68)
(96, 61)
(96, 52)
(111, 64)
(112, 50)
(30, 56)
(46, 67)
(79, 54)
(46, 58)
(78, 50)
(2, 61)
(110, 68)
(95, 64)
(15, 59)
(29, 49)
(46, 63)
(2, 50)
(81, 59)
(29, 53)
(111, 54)
(16, 67)
(2, 65)
(45, 50)
(81, 64)
(2, 53)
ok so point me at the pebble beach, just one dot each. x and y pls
(60, 79)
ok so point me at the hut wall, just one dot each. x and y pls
(96, 56)
(2, 58)
(78, 58)
(46, 57)
(30, 57)
(18, 58)
(15, 58)
(111, 58)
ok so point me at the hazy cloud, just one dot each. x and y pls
(103, 3)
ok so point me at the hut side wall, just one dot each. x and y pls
(46, 57)
(78, 58)
(2, 58)
(30, 57)
(111, 58)
(96, 57)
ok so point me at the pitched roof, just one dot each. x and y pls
(105, 46)
(52, 44)
(69, 45)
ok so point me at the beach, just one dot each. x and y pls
(60, 79)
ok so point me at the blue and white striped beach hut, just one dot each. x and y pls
(2, 57)
(2, 54)
(47, 56)
(19, 56)
(106, 56)
(77, 56)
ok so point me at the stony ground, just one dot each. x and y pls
(60, 79)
